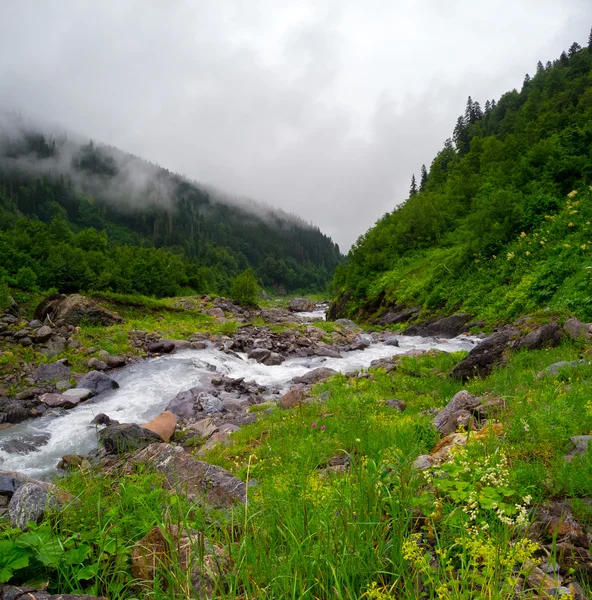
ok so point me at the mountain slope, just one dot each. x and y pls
(110, 220)
(502, 224)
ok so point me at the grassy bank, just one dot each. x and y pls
(374, 530)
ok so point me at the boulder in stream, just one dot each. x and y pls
(300, 305)
(127, 437)
(97, 382)
(315, 375)
(163, 425)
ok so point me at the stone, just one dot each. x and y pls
(59, 401)
(545, 336)
(69, 462)
(300, 305)
(455, 412)
(73, 309)
(62, 386)
(294, 397)
(259, 354)
(540, 582)
(43, 334)
(315, 375)
(56, 344)
(273, 359)
(35, 324)
(422, 462)
(23, 592)
(398, 405)
(26, 341)
(163, 425)
(204, 428)
(392, 317)
(15, 413)
(8, 483)
(448, 327)
(194, 402)
(97, 382)
(364, 340)
(25, 443)
(441, 451)
(79, 394)
(210, 403)
(348, 325)
(52, 372)
(114, 362)
(563, 365)
(193, 478)
(576, 330)
(126, 437)
(98, 365)
(28, 505)
(103, 419)
(201, 561)
(484, 357)
(581, 443)
(391, 341)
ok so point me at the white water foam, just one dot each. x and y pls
(147, 387)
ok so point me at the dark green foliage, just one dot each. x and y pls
(110, 221)
(413, 187)
(473, 236)
(424, 178)
(244, 288)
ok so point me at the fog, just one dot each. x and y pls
(321, 108)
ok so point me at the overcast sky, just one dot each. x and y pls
(321, 107)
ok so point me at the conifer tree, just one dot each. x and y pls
(549, 65)
(413, 187)
(487, 107)
(540, 67)
(574, 48)
(423, 179)
(563, 59)
(590, 41)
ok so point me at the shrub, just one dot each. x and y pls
(244, 288)
(26, 279)
(4, 295)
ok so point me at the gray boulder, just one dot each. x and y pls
(127, 437)
(484, 357)
(273, 359)
(394, 316)
(315, 375)
(72, 310)
(348, 325)
(391, 341)
(78, 394)
(194, 402)
(576, 330)
(456, 412)
(193, 478)
(554, 369)
(28, 504)
(97, 364)
(448, 327)
(43, 334)
(52, 372)
(97, 382)
(545, 336)
(59, 400)
(300, 305)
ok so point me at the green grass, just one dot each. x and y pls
(317, 534)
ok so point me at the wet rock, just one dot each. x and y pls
(72, 310)
(126, 437)
(98, 365)
(546, 336)
(364, 340)
(315, 376)
(78, 394)
(292, 398)
(194, 402)
(25, 444)
(97, 382)
(348, 325)
(8, 483)
(26, 342)
(391, 341)
(388, 364)
(69, 462)
(300, 305)
(52, 372)
(28, 504)
(576, 330)
(259, 354)
(398, 405)
(193, 478)
(273, 359)
(59, 400)
(43, 334)
(15, 413)
(103, 419)
(163, 425)
(448, 327)
(456, 412)
(35, 324)
(392, 317)
(484, 357)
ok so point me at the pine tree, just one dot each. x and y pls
(574, 48)
(526, 81)
(477, 112)
(461, 135)
(487, 107)
(590, 41)
(423, 179)
(563, 59)
(540, 67)
(549, 65)
(413, 187)
(469, 111)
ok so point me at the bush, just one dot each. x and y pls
(26, 279)
(244, 288)
(4, 295)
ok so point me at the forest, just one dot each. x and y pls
(499, 224)
(84, 216)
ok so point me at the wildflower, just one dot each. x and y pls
(572, 194)
(78, 536)
(527, 253)
(583, 246)
(567, 245)
(358, 440)
(510, 255)
(570, 224)
(523, 235)
(355, 515)
(323, 427)
(313, 425)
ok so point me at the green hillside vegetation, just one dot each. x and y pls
(78, 217)
(501, 224)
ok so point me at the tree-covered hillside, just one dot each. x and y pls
(85, 216)
(501, 223)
